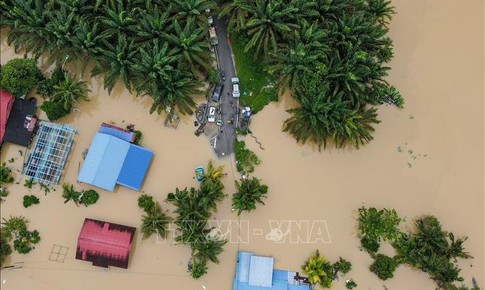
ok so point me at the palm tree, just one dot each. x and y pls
(290, 63)
(213, 173)
(208, 249)
(27, 25)
(237, 11)
(198, 268)
(191, 47)
(116, 62)
(70, 91)
(153, 25)
(155, 222)
(249, 193)
(319, 270)
(192, 10)
(70, 194)
(323, 117)
(269, 23)
(89, 39)
(154, 65)
(175, 92)
(118, 19)
(305, 11)
(381, 10)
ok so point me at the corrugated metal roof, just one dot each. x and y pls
(261, 271)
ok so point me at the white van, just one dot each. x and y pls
(212, 115)
(235, 87)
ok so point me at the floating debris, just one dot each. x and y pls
(411, 117)
(410, 151)
(399, 149)
(410, 165)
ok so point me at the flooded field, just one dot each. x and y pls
(426, 159)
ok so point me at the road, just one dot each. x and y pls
(229, 105)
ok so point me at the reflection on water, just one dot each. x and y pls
(426, 158)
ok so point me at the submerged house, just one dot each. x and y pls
(112, 159)
(257, 273)
(18, 122)
(105, 244)
(49, 154)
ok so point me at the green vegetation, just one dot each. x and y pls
(249, 193)
(350, 284)
(245, 158)
(19, 76)
(15, 229)
(343, 266)
(331, 56)
(194, 208)
(5, 177)
(5, 249)
(61, 91)
(252, 77)
(155, 221)
(383, 266)
(29, 183)
(319, 270)
(426, 247)
(156, 48)
(138, 136)
(30, 200)
(87, 197)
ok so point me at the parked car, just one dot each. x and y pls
(235, 87)
(219, 122)
(216, 95)
(213, 36)
(212, 115)
(210, 19)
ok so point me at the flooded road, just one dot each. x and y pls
(425, 159)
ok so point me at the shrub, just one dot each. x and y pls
(350, 284)
(19, 76)
(89, 197)
(145, 202)
(30, 200)
(343, 266)
(138, 135)
(29, 183)
(46, 87)
(25, 241)
(198, 268)
(383, 266)
(249, 193)
(319, 270)
(5, 249)
(54, 110)
(13, 225)
(5, 174)
(245, 158)
(376, 225)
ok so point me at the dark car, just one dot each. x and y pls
(216, 95)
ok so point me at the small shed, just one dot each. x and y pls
(105, 244)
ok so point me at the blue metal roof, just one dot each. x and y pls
(112, 161)
(104, 161)
(280, 280)
(135, 167)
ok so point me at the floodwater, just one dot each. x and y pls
(425, 159)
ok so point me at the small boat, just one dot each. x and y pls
(199, 173)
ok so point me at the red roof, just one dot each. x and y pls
(6, 103)
(105, 244)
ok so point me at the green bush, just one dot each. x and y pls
(138, 135)
(245, 158)
(383, 266)
(19, 76)
(343, 266)
(5, 174)
(29, 183)
(350, 284)
(89, 197)
(376, 225)
(25, 241)
(213, 77)
(30, 200)
(54, 110)
(146, 202)
(13, 225)
(46, 87)
(5, 249)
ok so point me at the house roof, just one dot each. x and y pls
(6, 102)
(105, 244)
(117, 132)
(257, 273)
(104, 161)
(111, 160)
(15, 131)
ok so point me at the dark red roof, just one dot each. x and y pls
(6, 102)
(105, 244)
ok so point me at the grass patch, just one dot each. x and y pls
(252, 77)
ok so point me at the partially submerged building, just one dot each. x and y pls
(18, 122)
(49, 153)
(257, 273)
(112, 159)
(105, 244)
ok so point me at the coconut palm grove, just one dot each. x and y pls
(330, 57)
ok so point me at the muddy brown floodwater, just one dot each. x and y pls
(425, 159)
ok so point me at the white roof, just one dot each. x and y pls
(261, 271)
